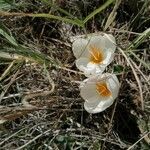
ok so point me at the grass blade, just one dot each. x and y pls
(6, 4)
(57, 8)
(28, 54)
(43, 15)
(108, 2)
(112, 15)
(140, 60)
(63, 19)
(8, 37)
(139, 40)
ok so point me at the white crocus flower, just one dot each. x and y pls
(94, 53)
(99, 92)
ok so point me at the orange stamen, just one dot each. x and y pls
(96, 55)
(103, 89)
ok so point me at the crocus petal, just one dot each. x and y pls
(101, 106)
(109, 58)
(110, 47)
(94, 53)
(92, 79)
(113, 85)
(95, 101)
(89, 68)
(97, 40)
(81, 63)
(88, 92)
(94, 69)
(110, 42)
(79, 47)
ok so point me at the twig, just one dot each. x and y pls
(139, 71)
(23, 146)
(125, 31)
(7, 70)
(136, 77)
(110, 125)
(11, 136)
(44, 93)
(138, 141)
(111, 120)
(9, 84)
(112, 15)
(73, 71)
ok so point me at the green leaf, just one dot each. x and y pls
(29, 54)
(60, 138)
(140, 60)
(6, 4)
(139, 40)
(118, 68)
(64, 19)
(74, 20)
(9, 38)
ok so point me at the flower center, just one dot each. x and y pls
(96, 55)
(103, 89)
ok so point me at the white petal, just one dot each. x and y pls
(109, 58)
(94, 102)
(89, 68)
(89, 107)
(113, 85)
(98, 41)
(93, 69)
(79, 47)
(110, 37)
(110, 42)
(101, 106)
(88, 92)
(92, 79)
(81, 63)
(106, 44)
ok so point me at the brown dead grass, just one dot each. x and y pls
(57, 119)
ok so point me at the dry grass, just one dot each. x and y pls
(40, 103)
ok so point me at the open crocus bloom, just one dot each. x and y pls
(94, 53)
(99, 92)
